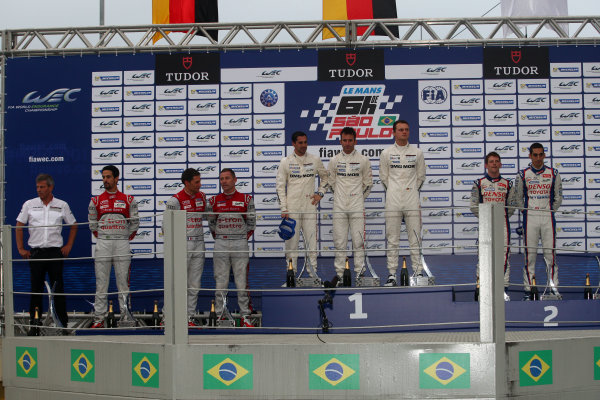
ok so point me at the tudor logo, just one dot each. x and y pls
(516, 63)
(350, 58)
(188, 69)
(515, 56)
(358, 65)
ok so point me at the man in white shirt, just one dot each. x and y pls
(46, 242)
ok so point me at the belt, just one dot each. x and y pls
(234, 236)
(44, 252)
(113, 237)
(195, 238)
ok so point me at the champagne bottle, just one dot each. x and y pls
(404, 281)
(155, 315)
(290, 278)
(212, 316)
(110, 318)
(535, 294)
(587, 292)
(346, 277)
(35, 330)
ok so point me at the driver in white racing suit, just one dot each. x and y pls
(495, 189)
(298, 199)
(539, 187)
(113, 218)
(350, 180)
(402, 172)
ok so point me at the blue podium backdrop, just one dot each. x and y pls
(155, 115)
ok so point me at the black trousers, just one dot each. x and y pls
(38, 270)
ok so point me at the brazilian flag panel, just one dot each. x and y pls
(535, 368)
(145, 370)
(596, 363)
(444, 370)
(334, 371)
(228, 371)
(83, 367)
(27, 362)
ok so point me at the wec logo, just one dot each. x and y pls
(143, 75)
(436, 70)
(109, 92)
(55, 96)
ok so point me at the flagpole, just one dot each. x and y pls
(101, 12)
(486, 13)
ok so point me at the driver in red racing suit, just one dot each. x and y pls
(231, 231)
(113, 218)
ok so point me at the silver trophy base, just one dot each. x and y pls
(309, 282)
(226, 322)
(127, 323)
(550, 296)
(422, 280)
(367, 281)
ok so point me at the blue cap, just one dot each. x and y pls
(287, 228)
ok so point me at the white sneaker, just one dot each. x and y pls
(506, 297)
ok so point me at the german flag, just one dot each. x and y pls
(359, 9)
(185, 12)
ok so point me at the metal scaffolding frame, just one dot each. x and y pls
(296, 35)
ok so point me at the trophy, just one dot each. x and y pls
(310, 281)
(426, 279)
(363, 280)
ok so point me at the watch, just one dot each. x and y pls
(320, 194)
